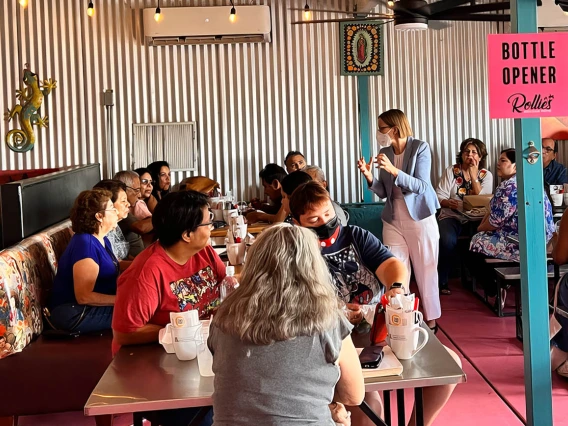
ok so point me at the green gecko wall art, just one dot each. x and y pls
(27, 112)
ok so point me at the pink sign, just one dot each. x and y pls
(528, 75)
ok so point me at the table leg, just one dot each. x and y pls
(518, 313)
(371, 414)
(106, 420)
(400, 407)
(387, 404)
(203, 411)
(137, 419)
(419, 406)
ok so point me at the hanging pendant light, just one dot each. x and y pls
(23, 3)
(307, 12)
(233, 15)
(390, 3)
(158, 14)
(90, 9)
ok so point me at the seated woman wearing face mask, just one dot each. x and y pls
(410, 228)
(362, 268)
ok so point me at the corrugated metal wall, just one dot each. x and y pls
(439, 78)
(252, 103)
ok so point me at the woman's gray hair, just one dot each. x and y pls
(285, 290)
(127, 177)
(315, 172)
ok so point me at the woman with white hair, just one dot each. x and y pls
(282, 347)
(318, 175)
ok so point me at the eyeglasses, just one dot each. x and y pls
(210, 223)
(146, 182)
(547, 149)
(137, 190)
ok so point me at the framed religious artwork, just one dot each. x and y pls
(361, 44)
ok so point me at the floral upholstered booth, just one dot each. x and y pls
(27, 270)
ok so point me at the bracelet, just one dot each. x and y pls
(395, 285)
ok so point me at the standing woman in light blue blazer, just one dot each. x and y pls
(410, 228)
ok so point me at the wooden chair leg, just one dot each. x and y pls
(9, 421)
(104, 420)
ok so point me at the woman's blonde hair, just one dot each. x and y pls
(397, 118)
(285, 290)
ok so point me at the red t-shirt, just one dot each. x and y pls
(154, 285)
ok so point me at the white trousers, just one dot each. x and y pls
(418, 242)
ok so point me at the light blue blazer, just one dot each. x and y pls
(413, 180)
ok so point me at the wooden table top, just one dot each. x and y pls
(255, 228)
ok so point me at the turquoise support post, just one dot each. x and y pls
(364, 129)
(532, 239)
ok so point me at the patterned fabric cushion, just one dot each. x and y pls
(55, 240)
(27, 270)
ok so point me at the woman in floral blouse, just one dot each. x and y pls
(467, 177)
(502, 222)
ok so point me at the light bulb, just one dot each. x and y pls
(307, 12)
(90, 9)
(23, 3)
(390, 3)
(233, 15)
(158, 14)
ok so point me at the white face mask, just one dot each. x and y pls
(383, 139)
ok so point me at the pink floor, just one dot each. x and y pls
(492, 359)
(490, 346)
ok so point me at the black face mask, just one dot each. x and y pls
(326, 230)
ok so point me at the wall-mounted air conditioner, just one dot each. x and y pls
(550, 17)
(207, 25)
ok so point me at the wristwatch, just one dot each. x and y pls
(395, 285)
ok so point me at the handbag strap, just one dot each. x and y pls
(47, 315)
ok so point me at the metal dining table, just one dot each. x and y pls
(143, 379)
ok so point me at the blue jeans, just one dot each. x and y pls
(450, 230)
(561, 339)
(81, 318)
